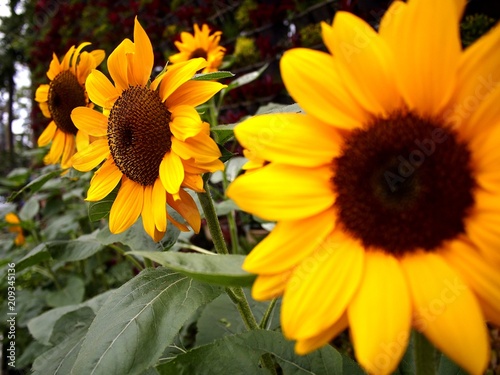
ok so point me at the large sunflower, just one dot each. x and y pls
(386, 192)
(154, 140)
(65, 92)
(201, 44)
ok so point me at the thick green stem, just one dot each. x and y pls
(425, 355)
(236, 294)
(231, 219)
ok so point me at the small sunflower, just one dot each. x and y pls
(14, 226)
(201, 44)
(386, 192)
(154, 141)
(65, 92)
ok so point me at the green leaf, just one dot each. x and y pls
(279, 108)
(29, 209)
(37, 183)
(100, 209)
(239, 354)
(35, 256)
(212, 76)
(139, 320)
(214, 269)
(71, 294)
(246, 78)
(69, 334)
(448, 367)
(223, 133)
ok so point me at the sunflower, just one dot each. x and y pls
(14, 226)
(201, 44)
(153, 140)
(57, 99)
(386, 192)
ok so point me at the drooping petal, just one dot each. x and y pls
(92, 156)
(171, 172)
(313, 80)
(118, 64)
(143, 56)
(179, 73)
(278, 251)
(47, 135)
(426, 80)
(193, 182)
(76, 55)
(266, 287)
(186, 207)
(201, 148)
(90, 121)
(283, 192)
(159, 199)
(380, 337)
(68, 152)
(104, 180)
(289, 138)
(127, 206)
(321, 287)
(147, 215)
(193, 93)
(442, 304)
(100, 90)
(57, 148)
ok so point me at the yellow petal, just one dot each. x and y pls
(171, 172)
(44, 107)
(480, 274)
(147, 215)
(65, 63)
(289, 138)
(54, 68)
(47, 135)
(68, 152)
(104, 181)
(180, 226)
(90, 121)
(159, 198)
(270, 286)
(118, 64)
(446, 311)
(186, 122)
(194, 182)
(201, 148)
(100, 90)
(75, 57)
(178, 74)
(365, 63)
(380, 337)
(186, 207)
(289, 243)
(92, 156)
(57, 148)
(321, 287)
(82, 140)
(98, 55)
(390, 23)
(42, 93)
(193, 93)
(309, 344)
(143, 56)
(313, 80)
(427, 50)
(127, 206)
(283, 192)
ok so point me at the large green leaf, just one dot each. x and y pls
(239, 354)
(215, 269)
(68, 336)
(37, 183)
(448, 367)
(71, 294)
(139, 320)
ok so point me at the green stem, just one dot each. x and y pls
(119, 250)
(236, 293)
(425, 355)
(231, 220)
(53, 276)
(267, 315)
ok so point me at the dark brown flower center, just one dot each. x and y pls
(139, 134)
(198, 52)
(403, 183)
(65, 94)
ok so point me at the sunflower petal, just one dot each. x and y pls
(159, 197)
(47, 135)
(75, 56)
(201, 148)
(104, 180)
(186, 122)
(100, 90)
(54, 67)
(289, 138)
(143, 56)
(283, 192)
(92, 156)
(193, 93)
(44, 107)
(186, 207)
(178, 74)
(313, 80)
(42, 93)
(90, 121)
(278, 251)
(57, 148)
(118, 64)
(266, 287)
(442, 303)
(68, 152)
(380, 338)
(127, 206)
(171, 172)
(308, 307)
(82, 139)
(147, 212)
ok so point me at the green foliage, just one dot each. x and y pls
(474, 26)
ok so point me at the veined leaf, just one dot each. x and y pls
(215, 269)
(37, 183)
(139, 320)
(212, 76)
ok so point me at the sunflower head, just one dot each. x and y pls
(386, 192)
(200, 44)
(57, 99)
(151, 138)
(14, 222)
